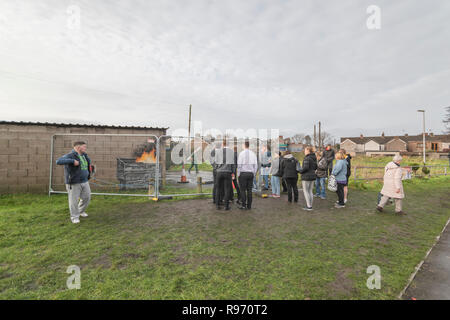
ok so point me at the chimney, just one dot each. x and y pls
(361, 135)
(431, 134)
(406, 134)
(382, 134)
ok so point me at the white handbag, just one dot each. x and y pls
(332, 183)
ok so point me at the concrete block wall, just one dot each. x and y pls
(25, 152)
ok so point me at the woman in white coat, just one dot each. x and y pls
(392, 185)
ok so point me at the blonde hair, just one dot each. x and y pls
(340, 156)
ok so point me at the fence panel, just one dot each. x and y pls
(377, 173)
(124, 164)
(188, 170)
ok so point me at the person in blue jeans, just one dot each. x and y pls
(275, 175)
(321, 173)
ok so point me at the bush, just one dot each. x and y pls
(425, 170)
(415, 167)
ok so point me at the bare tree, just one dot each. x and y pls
(308, 139)
(446, 121)
(326, 138)
(298, 138)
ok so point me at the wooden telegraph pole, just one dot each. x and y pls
(320, 139)
(315, 144)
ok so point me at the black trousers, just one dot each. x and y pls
(246, 184)
(340, 193)
(236, 186)
(292, 189)
(223, 186)
(330, 167)
(214, 185)
(284, 185)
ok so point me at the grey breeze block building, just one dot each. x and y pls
(25, 150)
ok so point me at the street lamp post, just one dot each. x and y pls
(423, 134)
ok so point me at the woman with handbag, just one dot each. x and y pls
(340, 173)
(289, 167)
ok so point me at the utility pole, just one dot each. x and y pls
(315, 144)
(423, 135)
(189, 125)
(320, 139)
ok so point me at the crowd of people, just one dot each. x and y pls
(283, 169)
(238, 171)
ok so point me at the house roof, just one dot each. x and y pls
(385, 139)
(24, 123)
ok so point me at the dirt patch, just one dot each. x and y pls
(103, 261)
(342, 285)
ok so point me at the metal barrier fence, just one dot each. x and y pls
(146, 165)
(125, 164)
(377, 173)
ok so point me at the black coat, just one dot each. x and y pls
(309, 167)
(349, 165)
(289, 168)
(329, 155)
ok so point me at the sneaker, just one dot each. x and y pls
(380, 209)
(339, 206)
(308, 208)
(400, 213)
(243, 208)
(316, 196)
(345, 201)
(75, 220)
(84, 215)
(323, 198)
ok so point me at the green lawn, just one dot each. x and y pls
(135, 248)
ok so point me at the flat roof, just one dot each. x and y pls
(26, 123)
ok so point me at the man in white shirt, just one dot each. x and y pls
(247, 167)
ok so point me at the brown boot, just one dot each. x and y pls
(380, 209)
(401, 213)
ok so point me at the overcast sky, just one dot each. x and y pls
(241, 64)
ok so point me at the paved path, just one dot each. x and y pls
(433, 279)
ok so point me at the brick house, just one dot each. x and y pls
(406, 143)
(25, 151)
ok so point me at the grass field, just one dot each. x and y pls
(135, 248)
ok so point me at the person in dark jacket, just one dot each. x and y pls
(77, 172)
(289, 166)
(308, 174)
(321, 173)
(226, 167)
(234, 181)
(214, 167)
(348, 158)
(329, 154)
